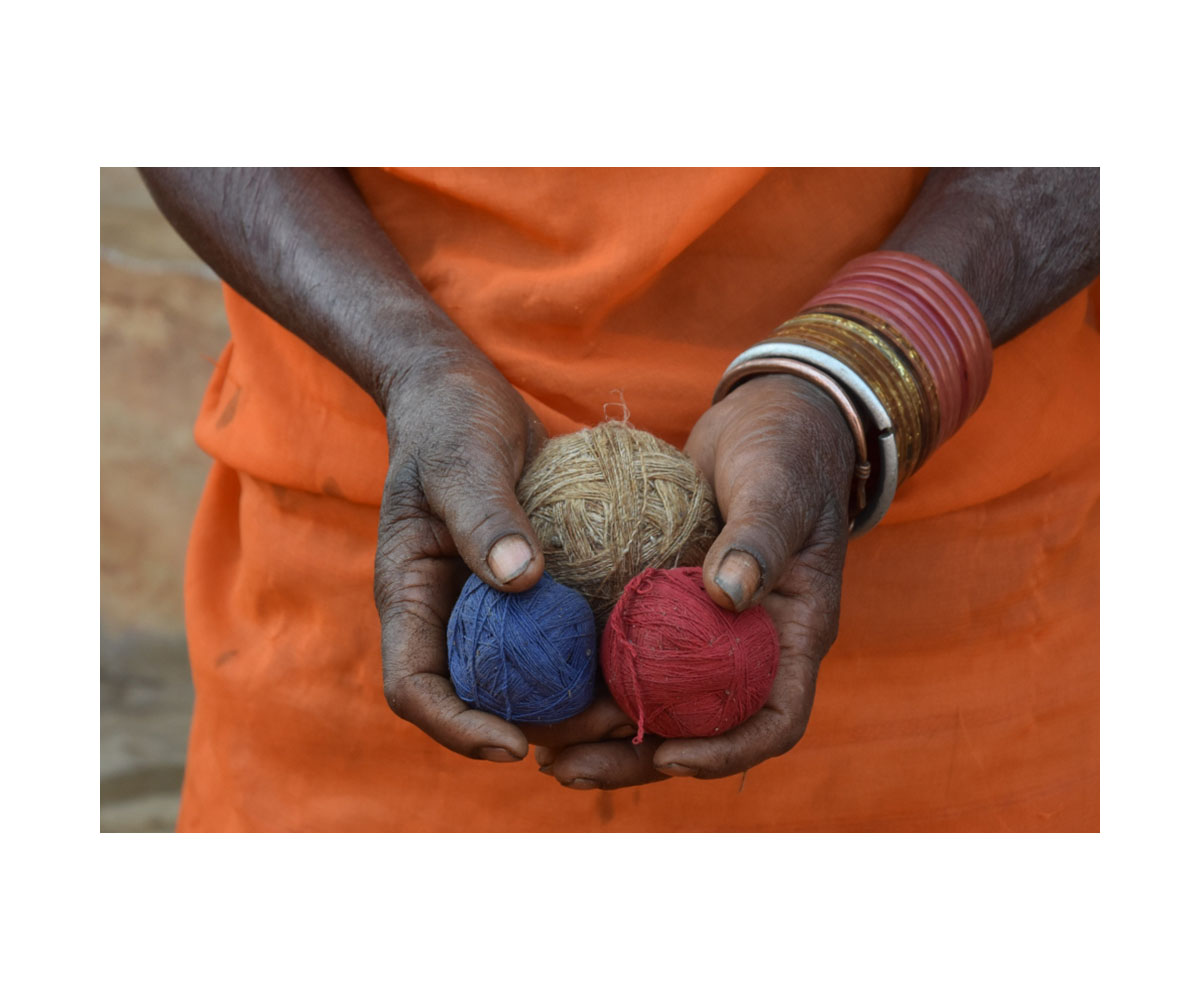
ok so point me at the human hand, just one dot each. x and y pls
(780, 456)
(302, 246)
(459, 437)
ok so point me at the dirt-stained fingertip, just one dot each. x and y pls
(739, 577)
(509, 558)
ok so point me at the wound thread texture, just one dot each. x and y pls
(680, 665)
(528, 657)
(610, 501)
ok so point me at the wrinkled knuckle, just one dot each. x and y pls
(391, 593)
(392, 551)
(816, 624)
(402, 606)
(402, 499)
(387, 591)
(406, 535)
(415, 699)
(444, 464)
(401, 696)
(402, 493)
(816, 634)
(784, 733)
(812, 635)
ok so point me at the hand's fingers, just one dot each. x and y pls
(804, 607)
(601, 720)
(613, 764)
(780, 455)
(746, 558)
(429, 702)
(769, 733)
(471, 489)
(765, 523)
(768, 448)
(416, 580)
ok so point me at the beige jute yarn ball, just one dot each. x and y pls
(610, 501)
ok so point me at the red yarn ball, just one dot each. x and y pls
(679, 664)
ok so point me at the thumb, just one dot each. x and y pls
(476, 499)
(774, 448)
(760, 536)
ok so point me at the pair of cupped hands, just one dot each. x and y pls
(779, 455)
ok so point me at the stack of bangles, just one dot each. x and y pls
(901, 349)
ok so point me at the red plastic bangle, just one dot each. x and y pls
(970, 328)
(937, 316)
(967, 328)
(891, 304)
(938, 356)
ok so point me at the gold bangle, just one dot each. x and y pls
(885, 370)
(881, 365)
(916, 364)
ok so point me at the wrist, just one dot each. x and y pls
(905, 343)
(399, 344)
(900, 309)
(1021, 241)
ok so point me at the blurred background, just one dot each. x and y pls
(162, 326)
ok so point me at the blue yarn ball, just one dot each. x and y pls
(528, 657)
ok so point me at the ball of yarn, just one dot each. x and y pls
(529, 657)
(679, 664)
(610, 501)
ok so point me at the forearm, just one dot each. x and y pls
(1020, 241)
(301, 245)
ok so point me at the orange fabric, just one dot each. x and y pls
(963, 692)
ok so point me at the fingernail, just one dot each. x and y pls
(677, 770)
(509, 558)
(623, 733)
(498, 755)
(544, 756)
(739, 576)
(583, 784)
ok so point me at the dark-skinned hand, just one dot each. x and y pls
(459, 437)
(780, 456)
(302, 246)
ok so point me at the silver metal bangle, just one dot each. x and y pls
(882, 487)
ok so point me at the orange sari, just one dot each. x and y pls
(963, 692)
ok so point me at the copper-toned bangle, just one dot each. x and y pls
(741, 371)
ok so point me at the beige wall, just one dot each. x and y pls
(161, 328)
